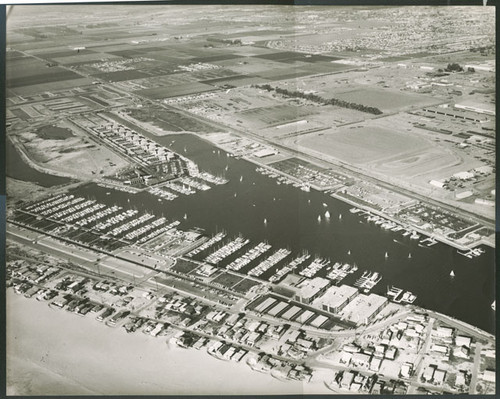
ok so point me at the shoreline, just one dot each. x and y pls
(51, 348)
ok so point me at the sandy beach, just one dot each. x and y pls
(52, 352)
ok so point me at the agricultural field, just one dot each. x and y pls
(174, 91)
(26, 72)
(169, 120)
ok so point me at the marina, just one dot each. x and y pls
(249, 256)
(285, 198)
(312, 269)
(289, 268)
(266, 264)
(226, 250)
(367, 281)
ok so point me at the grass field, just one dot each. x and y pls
(245, 285)
(184, 267)
(227, 280)
(54, 132)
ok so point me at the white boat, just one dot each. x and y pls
(409, 255)
(325, 205)
(349, 252)
(319, 218)
(386, 255)
(493, 305)
(452, 274)
(241, 178)
(340, 216)
(265, 221)
(185, 216)
(327, 215)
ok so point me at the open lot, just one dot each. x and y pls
(365, 144)
(385, 99)
(279, 114)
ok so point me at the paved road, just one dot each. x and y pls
(475, 369)
(420, 357)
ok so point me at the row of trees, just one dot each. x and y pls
(320, 100)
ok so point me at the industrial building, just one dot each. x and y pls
(363, 308)
(336, 298)
(308, 290)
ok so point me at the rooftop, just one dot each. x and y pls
(309, 288)
(336, 296)
(362, 307)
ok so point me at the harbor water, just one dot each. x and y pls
(260, 209)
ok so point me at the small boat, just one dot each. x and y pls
(327, 215)
(185, 216)
(325, 205)
(108, 193)
(493, 305)
(265, 221)
(241, 178)
(409, 255)
(309, 201)
(386, 255)
(452, 274)
(235, 194)
(349, 252)
(319, 218)
(226, 168)
(340, 216)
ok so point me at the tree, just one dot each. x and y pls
(454, 67)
